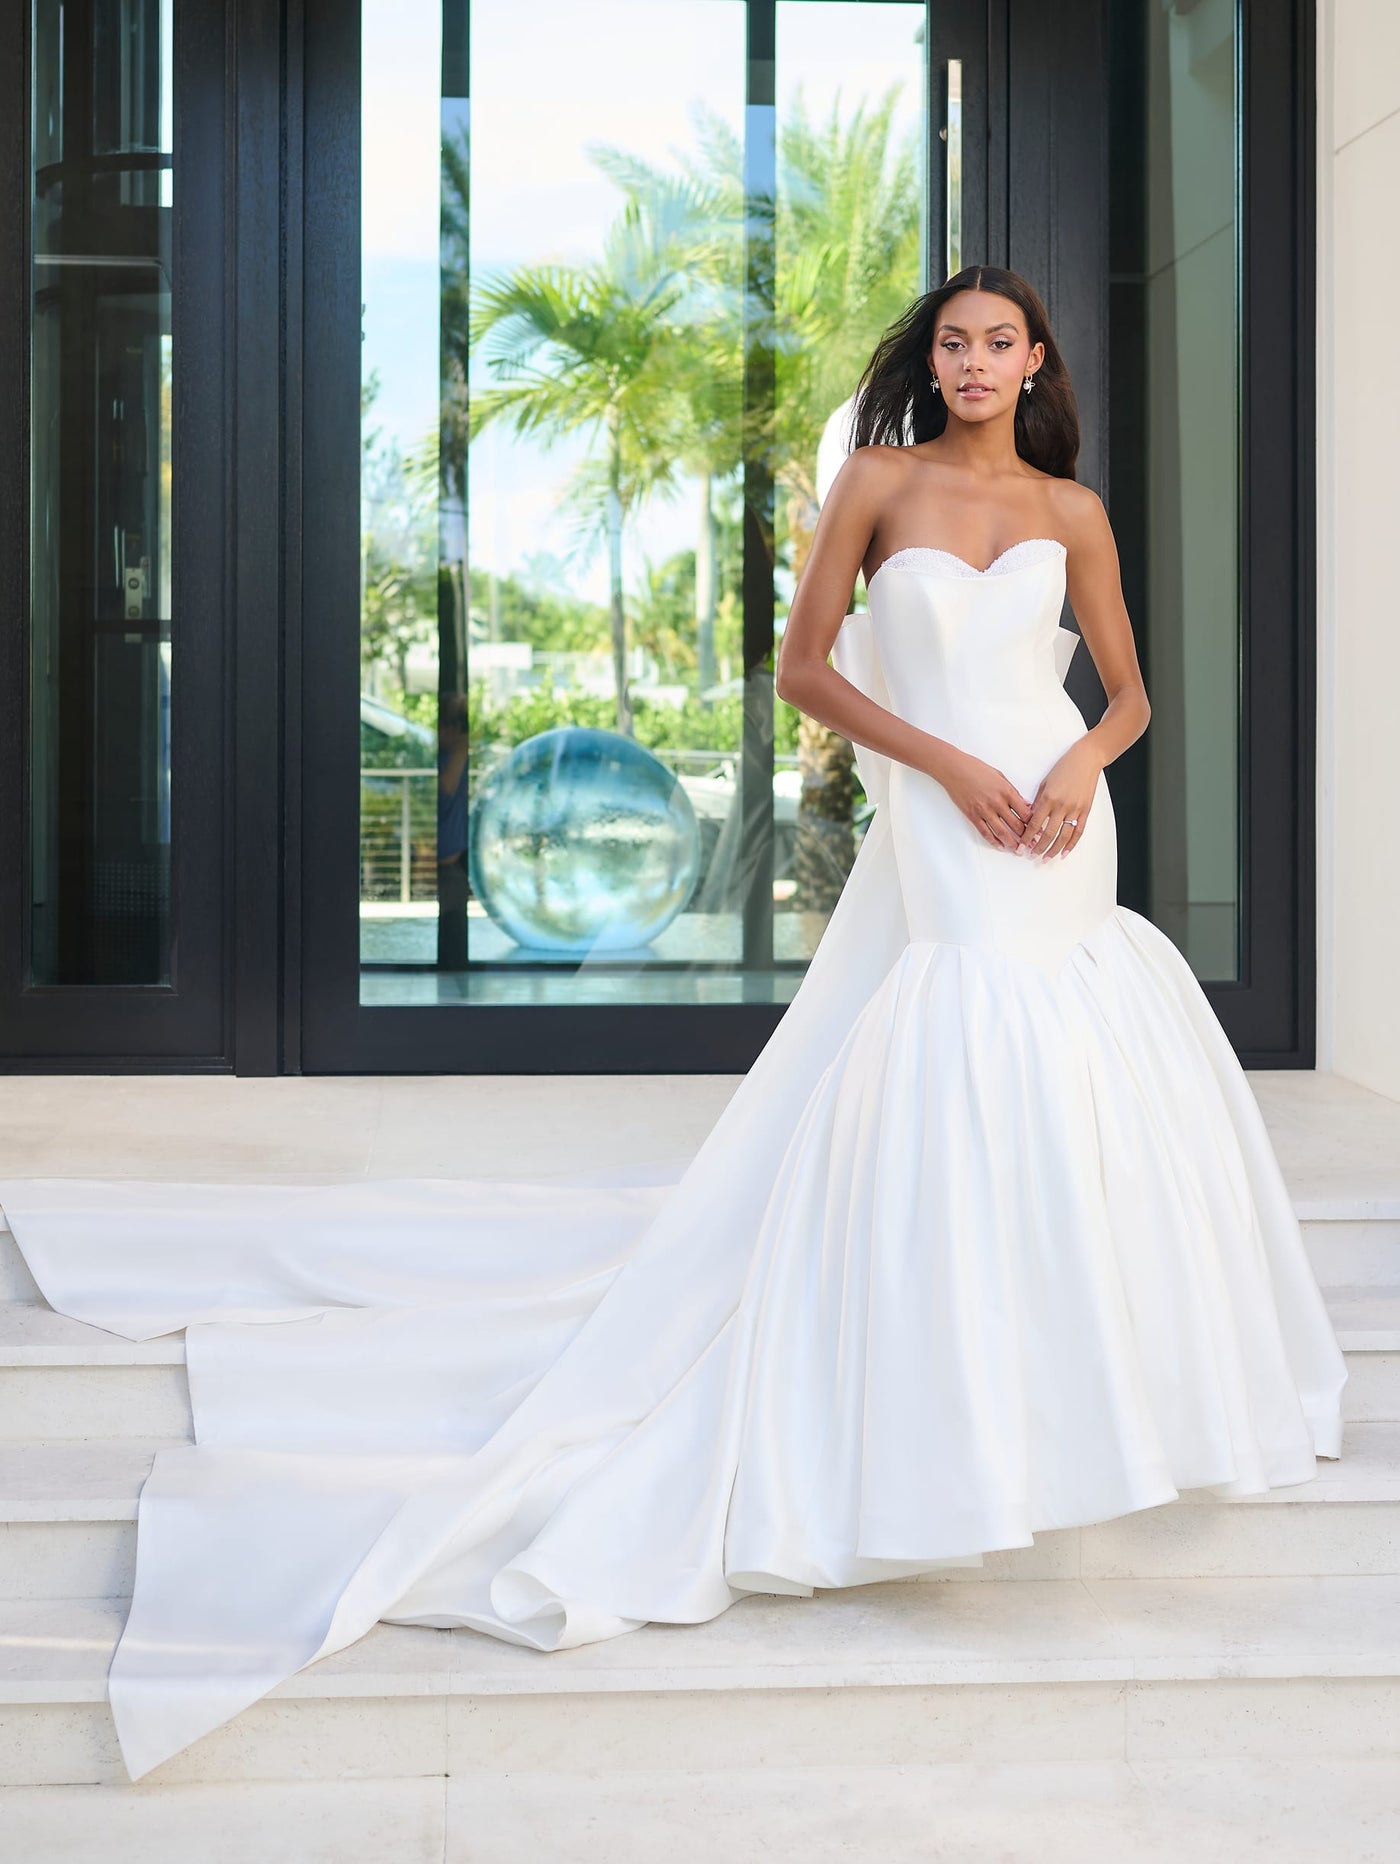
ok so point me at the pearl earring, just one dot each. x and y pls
(1027, 385)
(933, 381)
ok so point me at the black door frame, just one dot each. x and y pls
(1054, 225)
(267, 316)
(182, 1024)
(1060, 112)
(1269, 1011)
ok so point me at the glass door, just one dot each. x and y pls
(587, 289)
(1210, 345)
(621, 267)
(603, 338)
(112, 675)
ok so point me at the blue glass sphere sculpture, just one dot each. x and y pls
(582, 841)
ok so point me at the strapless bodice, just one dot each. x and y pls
(978, 657)
(975, 656)
(950, 636)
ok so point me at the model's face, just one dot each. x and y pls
(981, 354)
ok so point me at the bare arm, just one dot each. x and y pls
(805, 678)
(1094, 582)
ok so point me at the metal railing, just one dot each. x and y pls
(398, 835)
(398, 821)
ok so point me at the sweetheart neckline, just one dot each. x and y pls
(937, 550)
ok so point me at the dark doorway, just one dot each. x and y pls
(112, 528)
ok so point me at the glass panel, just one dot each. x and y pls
(1192, 480)
(100, 485)
(623, 265)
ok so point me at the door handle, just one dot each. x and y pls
(952, 138)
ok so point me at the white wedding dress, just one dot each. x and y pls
(990, 1240)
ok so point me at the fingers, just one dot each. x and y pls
(1043, 828)
(1014, 813)
(1054, 833)
(1001, 831)
(1007, 820)
(1066, 835)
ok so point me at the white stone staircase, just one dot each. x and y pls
(1218, 1678)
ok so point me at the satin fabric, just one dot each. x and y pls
(990, 1240)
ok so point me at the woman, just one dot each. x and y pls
(989, 1241)
(988, 463)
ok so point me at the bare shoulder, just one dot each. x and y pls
(1080, 513)
(866, 474)
(876, 462)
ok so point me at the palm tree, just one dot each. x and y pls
(849, 258)
(701, 206)
(589, 349)
(849, 246)
(645, 348)
(845, 229)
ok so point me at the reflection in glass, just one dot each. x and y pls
(581, 841)
(604, 335)
(100, 484)
(1191, 496)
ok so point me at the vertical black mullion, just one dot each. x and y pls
(1270, 1013)
(181, 1023)
(14, 497)
(77, 494)
(1125, 480)
(289, 724)
(328, 348)
(966, 30)
(1244, 298)
(996, 148)
(759, 431)
(1304, 223)
(1057, 72)
(201, 616)
(257, 433)
(454, 479)
(936, 178)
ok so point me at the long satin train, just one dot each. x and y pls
(554, 1413)
(978, 1247)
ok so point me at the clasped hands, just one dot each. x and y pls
(1049, 823)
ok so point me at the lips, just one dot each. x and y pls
(974, 393)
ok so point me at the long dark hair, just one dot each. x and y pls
(896, 403)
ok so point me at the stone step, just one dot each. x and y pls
(1352, 1242)
(61, 1379)
(68, 1525)
(331, 1821)
(1214, 1811)
(1040, 1670)
(16, 1283)
(1354, 1252)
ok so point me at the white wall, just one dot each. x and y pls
(1358, 385)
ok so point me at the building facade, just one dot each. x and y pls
(416, 448)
